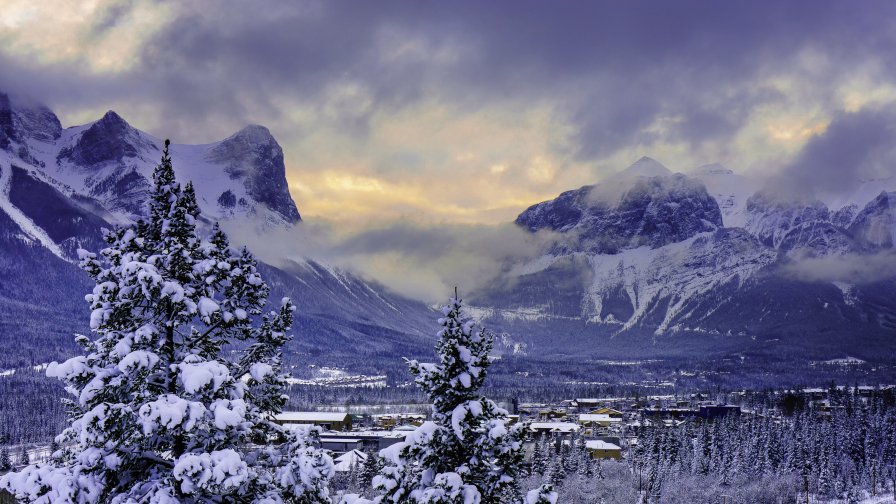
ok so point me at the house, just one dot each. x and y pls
(562, 428)
(612, 413)
(340, 444)
(395, 419)
(323, 419)
(595, 424)
(372, 440)
(603, 450)
(551, 414)
(598, 419)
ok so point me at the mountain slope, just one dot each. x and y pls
(60, 188)
(646, 267)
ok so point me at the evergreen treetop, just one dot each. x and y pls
(466, 453)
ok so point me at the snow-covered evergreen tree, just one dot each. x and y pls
(543, 495)
(557, 473)
(5, 460)
(369, 470)
(175, 394)
(466, 453)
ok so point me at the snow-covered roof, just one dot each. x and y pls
(554, 426)
(400, 415)
(598, 417)
(596, 444)
(339, 440)
(310, 416)
(344, 462)
(366, 434)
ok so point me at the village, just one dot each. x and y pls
(609, 426)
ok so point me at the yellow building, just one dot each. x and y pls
(393, 420)
(607, 411)
(603, 450)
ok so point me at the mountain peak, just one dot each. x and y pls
(110, 139)
(112, 118)
(646, 167)
(253, 133)
(253, 155)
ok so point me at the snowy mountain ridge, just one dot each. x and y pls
(647, 255)
(708, 253)
(111, 162)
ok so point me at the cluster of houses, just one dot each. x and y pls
(607, 425)
(612, 425)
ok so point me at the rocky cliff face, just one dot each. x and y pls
(254, 155)
(22, 121)
(875, 225)
(652, 211)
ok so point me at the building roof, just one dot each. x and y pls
(367, 434)
(400, 415)
(597, 417)
(344, 462)
(596, 444)
(311, 416)
(554, 426)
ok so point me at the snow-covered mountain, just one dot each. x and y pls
(111, 162)
(60, 187)
(729, 189)
(642, 209)
(647, 261)
(700, 260)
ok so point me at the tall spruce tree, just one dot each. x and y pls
(5, 460)
(466, 453)
(369, 470)
(175, 394)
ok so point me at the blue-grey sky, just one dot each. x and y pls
(469, 111)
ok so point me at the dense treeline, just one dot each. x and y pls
(839, 452)
(31, 409)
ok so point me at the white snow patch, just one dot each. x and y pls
(25, 224)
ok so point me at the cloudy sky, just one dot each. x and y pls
(467, 112)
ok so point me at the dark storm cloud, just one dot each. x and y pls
(614, 68)
(111, 16)
(856, 146)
